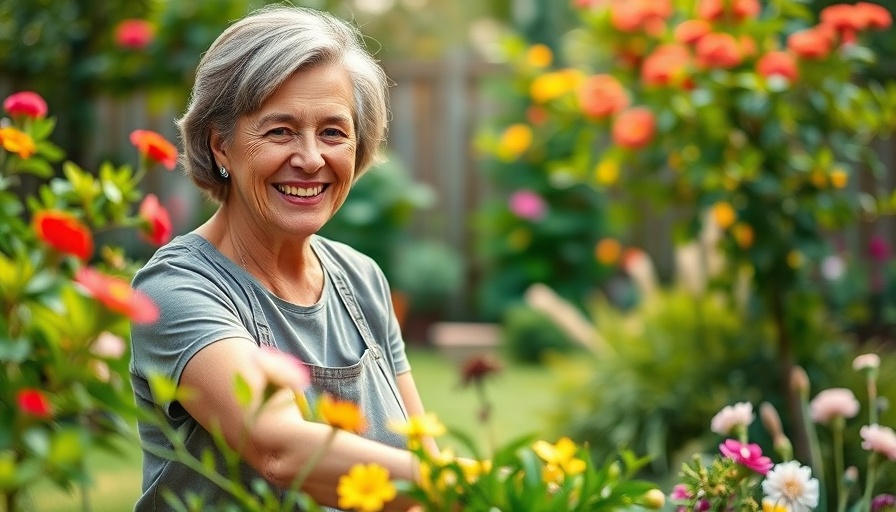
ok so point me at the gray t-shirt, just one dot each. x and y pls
(204, 297)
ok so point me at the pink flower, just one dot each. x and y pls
(732, 416)
(879, 439)
(282, 369)
(878, 249)
(157, 227)
(831, 403)
(680, 492)
(526, 204)
(108, 345)
(25, 103)
(748, 455)
(866, 362)
(134, 34)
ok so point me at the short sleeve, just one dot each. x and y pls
(195, 311)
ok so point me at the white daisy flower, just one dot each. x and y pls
(791, 484)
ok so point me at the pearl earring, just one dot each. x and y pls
(224, 173)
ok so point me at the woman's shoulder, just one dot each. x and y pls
(185, 254)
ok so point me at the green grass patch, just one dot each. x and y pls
(519, 396)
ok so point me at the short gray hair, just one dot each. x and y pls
(252, 58)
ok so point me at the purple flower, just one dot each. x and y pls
(883, 503)
(748, 455)
(526, 204)
(680, 493)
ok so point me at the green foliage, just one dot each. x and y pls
(667, 366)
(429, 272)
(530, 336)
(64, 388)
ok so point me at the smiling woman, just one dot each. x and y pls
(287, 111)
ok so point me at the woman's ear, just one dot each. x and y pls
(219, 150)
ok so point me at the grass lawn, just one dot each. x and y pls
(519, 395)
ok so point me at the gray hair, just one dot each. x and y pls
(252, 58)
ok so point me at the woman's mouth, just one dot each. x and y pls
(301, 191)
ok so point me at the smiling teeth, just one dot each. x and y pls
(299, 191)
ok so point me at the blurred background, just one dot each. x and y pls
(460, 244)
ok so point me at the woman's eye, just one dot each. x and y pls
(278, 132)
(332, 132)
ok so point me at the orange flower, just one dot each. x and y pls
(25, 103)
(635, 15)
(341, 414)
(714, 10)
(844, 19)
(667, 65)
(691, 31)
(724, 215)
(536, 115)
(743, 234)
(608, 251)
(602, 95)
(34, 403)
(155, 147)
(718, 50)
(813, 43)
(539, 56)
(134, 34)
(64, 232)
(117, 295)
(778, 63)
(839, 178)
(157, 229)
(18, 142)
(634, 128)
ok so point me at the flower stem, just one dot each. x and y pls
(837, 425)
(870, 477)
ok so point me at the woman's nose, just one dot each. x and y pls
(307, 155)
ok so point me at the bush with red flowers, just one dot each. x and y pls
(65, 298)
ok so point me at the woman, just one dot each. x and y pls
(287, 111)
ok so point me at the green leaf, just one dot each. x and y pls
(164, 390)
(67, 447)
(242, 390)
(112, 192)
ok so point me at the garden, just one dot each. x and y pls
(677, 218)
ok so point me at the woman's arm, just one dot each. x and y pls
(275, 439)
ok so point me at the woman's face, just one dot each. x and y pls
(292, 162)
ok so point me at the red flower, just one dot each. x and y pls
(25, 103)
(117, 295)
(667, 65)
(602, 95)
(158, 223)
(134, 34)
(476, 369)
(875, 16)
(64, 232)
(634, 15)
(778, 63)
(813, 43)
(634, 128)
(714, 10)
(718, 50)
(155, 147)
(34, 402)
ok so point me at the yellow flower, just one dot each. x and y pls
(539, 56)
(366, 488)
(794, 259)
(607, 171)
(341, 414)
(473, 469)
(770, 506)
(839, 178)
(559, 459)
(550, 86)
(724, 215)
(17, 141)
(515, 140)
(608, 251)
(418, 427)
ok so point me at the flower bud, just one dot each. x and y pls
(770, 419)
(799, 381)
(783, 447)
(851, 476)
(654, 499)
